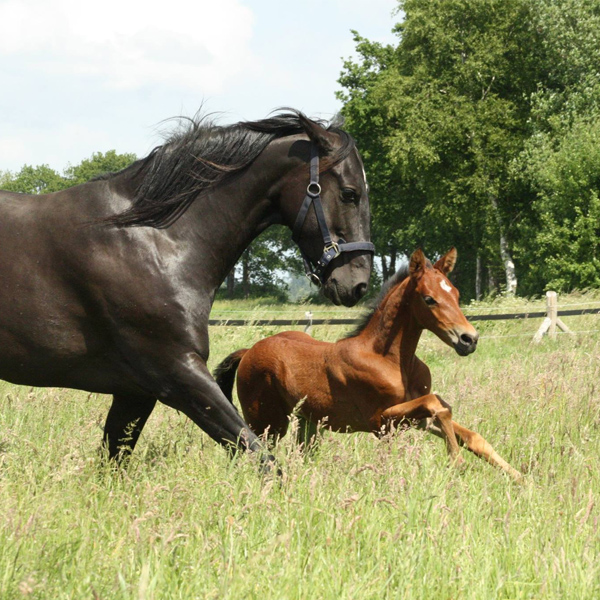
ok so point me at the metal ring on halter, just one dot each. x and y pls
(314, 278)
(313, 185)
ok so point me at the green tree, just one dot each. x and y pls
(560, 241)
(262, 269)
(44, 180)
(34, 180)
(98, 164)
(450, 107)
(479, 129)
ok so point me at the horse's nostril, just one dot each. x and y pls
(467, 339)
(360, 290)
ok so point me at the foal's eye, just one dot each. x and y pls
(429, 301)
(349, 195)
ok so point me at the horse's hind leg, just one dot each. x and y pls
(479, 446)
(124, 423)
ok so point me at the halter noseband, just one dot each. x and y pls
(331, 249)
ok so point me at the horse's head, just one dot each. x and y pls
(435, 303)
(334, 240)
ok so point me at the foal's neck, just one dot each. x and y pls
(393, 331)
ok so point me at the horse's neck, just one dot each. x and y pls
(393, 331)
(221, 225)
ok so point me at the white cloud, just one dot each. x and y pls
(128, 44)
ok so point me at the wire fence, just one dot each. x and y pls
(308, 319)
(336, 311)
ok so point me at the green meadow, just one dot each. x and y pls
(358, 518)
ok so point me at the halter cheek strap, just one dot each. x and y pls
(331, 249)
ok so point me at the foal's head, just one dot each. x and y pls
(434, 302)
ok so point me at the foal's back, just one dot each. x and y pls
(292, 368)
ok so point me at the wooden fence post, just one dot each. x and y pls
(308, 328)
(552, 320)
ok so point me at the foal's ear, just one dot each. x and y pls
(417, 263)
(318, 134)
(447, 262)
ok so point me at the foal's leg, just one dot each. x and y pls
(126, 418)
(426, 407)
(192, 390)
(479, 446)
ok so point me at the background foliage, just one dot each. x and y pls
(482, 124)
(479, 129)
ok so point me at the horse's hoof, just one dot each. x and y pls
(269, 467)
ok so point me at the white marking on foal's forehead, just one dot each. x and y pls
(445, 286)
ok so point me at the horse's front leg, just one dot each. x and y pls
(192, 390)
(479, 446)
(428, 406)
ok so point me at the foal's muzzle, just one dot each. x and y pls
(466, 344)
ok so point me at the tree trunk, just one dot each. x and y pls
(509, 265)
(246, 274)
(393, 256)
(478, 277)
(384, 267)
(492, 283)
(388, 268)
(230, 283)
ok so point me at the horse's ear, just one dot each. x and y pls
(447, 262)
(318, 134)
(417, 263)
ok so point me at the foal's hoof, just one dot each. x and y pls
(517, 477)
(458, 462)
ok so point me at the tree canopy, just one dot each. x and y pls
(460, 123)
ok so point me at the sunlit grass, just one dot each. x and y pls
(358, 518)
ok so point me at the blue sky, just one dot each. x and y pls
(79, 77)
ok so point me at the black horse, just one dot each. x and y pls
(107, 286)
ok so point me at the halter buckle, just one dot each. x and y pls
(333, 246)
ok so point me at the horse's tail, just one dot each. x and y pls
(224, 374)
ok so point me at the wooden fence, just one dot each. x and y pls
(551, 317)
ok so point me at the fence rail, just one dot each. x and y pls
(333, 321)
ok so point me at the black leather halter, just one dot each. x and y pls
(331, 249)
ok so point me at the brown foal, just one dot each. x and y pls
(370, 379)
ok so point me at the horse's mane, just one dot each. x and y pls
(200, 155)
(396, 279)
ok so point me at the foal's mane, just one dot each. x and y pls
(200, 155)
(396, 279)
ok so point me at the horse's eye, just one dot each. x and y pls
(349, 195)
(429, 301)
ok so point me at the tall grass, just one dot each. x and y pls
(358, 518)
